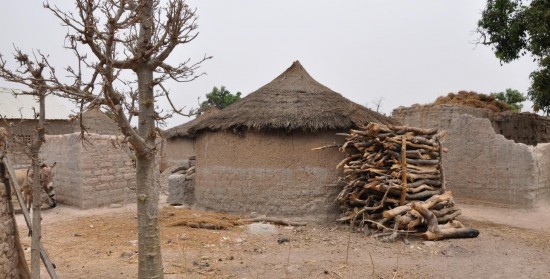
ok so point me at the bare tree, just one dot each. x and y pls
(121, 48)
(30, 73)
(377, 104)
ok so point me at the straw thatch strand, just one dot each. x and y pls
(293, 101)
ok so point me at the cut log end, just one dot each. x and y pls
(451, 233)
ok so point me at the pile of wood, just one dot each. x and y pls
(394, 181)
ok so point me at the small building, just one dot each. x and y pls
(19, 116)
(256, 155)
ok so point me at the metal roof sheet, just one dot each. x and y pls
(21, 106)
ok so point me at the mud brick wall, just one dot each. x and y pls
(528, 128)
(481, 165)
(276, 174)
(27, 128)
(176, 150)
(542, 157)
(9, 258)
(90, 175)
(97, 122)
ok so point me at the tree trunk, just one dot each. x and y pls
(36, 192)
(150, 257)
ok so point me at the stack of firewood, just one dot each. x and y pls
(394, 181)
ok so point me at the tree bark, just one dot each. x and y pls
(150, 256)
(36, 191)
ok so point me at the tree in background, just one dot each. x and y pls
(514, 29)
(219, 98)
(121, 49)
(512, 97)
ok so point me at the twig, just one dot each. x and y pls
(277, 221)
(327, 146)
(287, 261)
(372, 262)
(328, 272)
(349, 240)
(396, 230)
(396, 268)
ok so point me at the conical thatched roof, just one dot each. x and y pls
(293, 101)
(180, 130)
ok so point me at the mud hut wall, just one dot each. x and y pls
(176, 150)
(542, 157)
(90, 175)
(481, 166)
(269, 173)
(9, 258)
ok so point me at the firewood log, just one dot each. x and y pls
(412, 129)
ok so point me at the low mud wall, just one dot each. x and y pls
(9, 257)
(91, 174)
(481, 165)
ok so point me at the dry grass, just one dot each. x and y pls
(472, 99)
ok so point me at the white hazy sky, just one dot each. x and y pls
(406, 52)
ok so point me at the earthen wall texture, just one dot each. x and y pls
(481, 165)
(175, 150)
(273, 173)
(527, 128)
(542, 157)
(25, 130)
(93, 174)
(9, 258)
(97, 122)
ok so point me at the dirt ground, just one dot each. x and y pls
(101, 243)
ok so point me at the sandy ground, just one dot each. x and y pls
(101, 243)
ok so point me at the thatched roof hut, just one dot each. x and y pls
(292, 101)
(255, 155)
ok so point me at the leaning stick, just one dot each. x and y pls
(403, 170)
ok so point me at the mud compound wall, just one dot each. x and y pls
(275, 174)
(97, 122)
(95, 174)
(24, 131)
(176, 150)
(527, 128)
(9, 257)
(542, 157)
(481, 165)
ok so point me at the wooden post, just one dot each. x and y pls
(440, 166)
(403, 169)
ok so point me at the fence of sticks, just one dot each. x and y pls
(395, 182)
